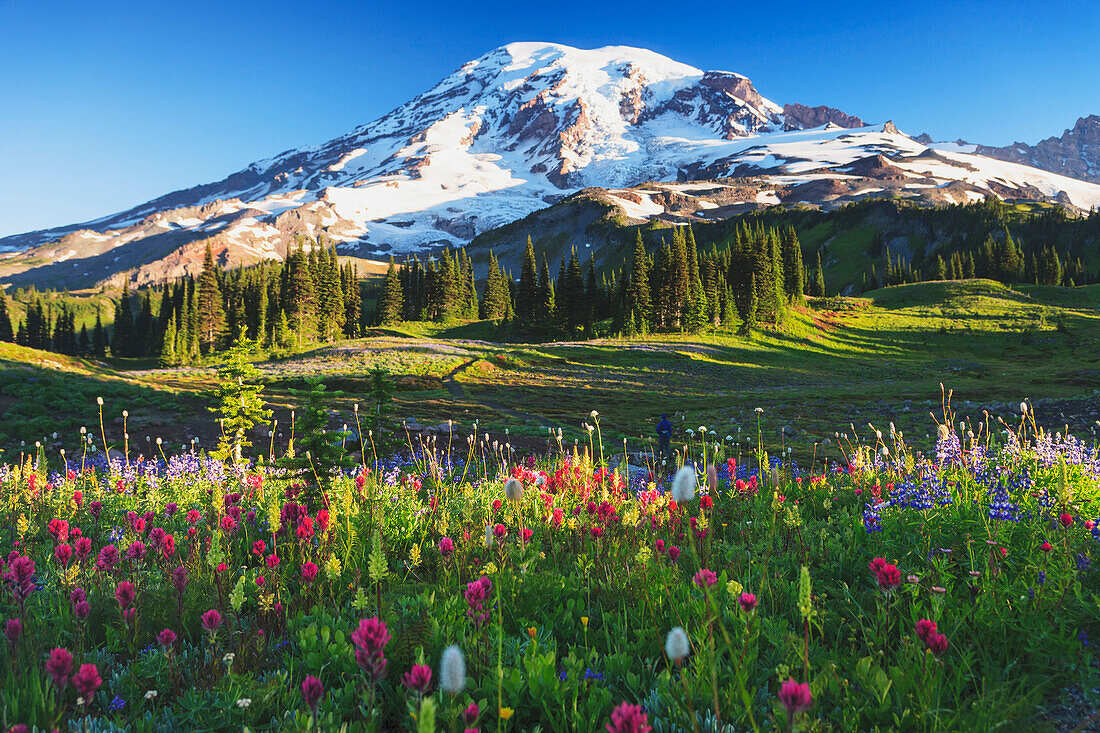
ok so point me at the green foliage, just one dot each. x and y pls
(317, 452)
(238, 404)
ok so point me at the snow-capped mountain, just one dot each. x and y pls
(508, 134)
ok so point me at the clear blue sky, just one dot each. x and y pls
(104, 105)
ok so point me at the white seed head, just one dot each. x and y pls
(1023, 407)
(683, 486)
(513, 490)
(677, 645)
(99, 401)
(488, 535)
(126, 413)
(452, 670)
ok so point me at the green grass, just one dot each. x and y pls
(836, 361)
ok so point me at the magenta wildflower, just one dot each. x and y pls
(166, 638)
(795, 696)
(370, 639)
(446, 546)
(309, 571)
(748, 602)
(418, 679)
(627, 718)
(211, 621)
(312, 692)
(124, 594)
(705, 578)
(87, 681)
(58, 667)
(13, 629)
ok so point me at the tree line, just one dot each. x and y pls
(674, 288)
(306, 298)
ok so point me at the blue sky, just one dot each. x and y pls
(106, 105)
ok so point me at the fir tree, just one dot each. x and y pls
(391, 301)
(211, 310)
(123, 338)
(167, 356)
(239, 406)
(527, 293)
(6, 332)
(99, 338)
(639, 301)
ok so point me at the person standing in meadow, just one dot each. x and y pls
(664, 436)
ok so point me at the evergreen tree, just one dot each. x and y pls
(527, 293)
(748, 313)
(819, 278)
(941, 270)
(391, 301)
(211, 310)
(239, 406)
(495, 303)
(639, 298)
(6, 332)
(99, 338)
(793, 270)
(167, 356)
(317, 455)
(123, 338)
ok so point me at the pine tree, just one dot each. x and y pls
(639, 301)
(239, 406)
(317, 454)
(83, 344)
(547, 304)
(819, 278)
(527, 293)
(211, 311)
(99, 338)
(300, 296)
(495, 303)
(941, 270)
(793, 270)
(748, 314)
(391, 301)
(167, 356)
(123, 338)
(6, 332)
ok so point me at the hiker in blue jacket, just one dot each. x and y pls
(664, 435)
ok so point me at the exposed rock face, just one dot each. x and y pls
(801, 117)
(1075, 154)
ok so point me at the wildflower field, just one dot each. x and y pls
(464, 586)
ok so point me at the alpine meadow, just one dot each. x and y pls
(587, 390)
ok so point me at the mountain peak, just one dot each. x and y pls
(507, 134)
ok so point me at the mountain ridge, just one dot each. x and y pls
(510, 133)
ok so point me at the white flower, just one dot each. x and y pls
(691, 432)
(703, 429)
(1023, 407)
(513, 490)
(759, 409)
(885, 451)
(677, 645)
(540, 481)
(99, 401)
(452, 670)
(488, 535)
(80, 700)
(729, 437)
(593, 414)
(683, 486)
(228, 658)
(149, 695)
(244, 702)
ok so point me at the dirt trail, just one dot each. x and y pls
(457, 391)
